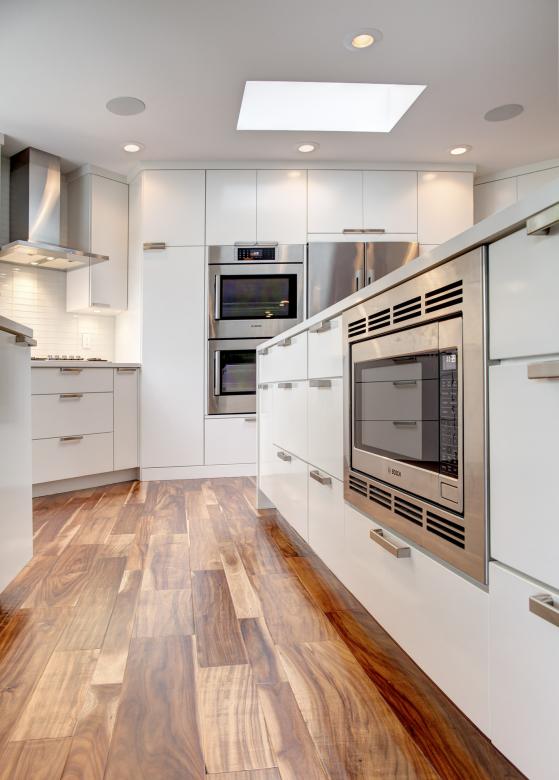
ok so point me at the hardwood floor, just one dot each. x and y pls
(169, 630)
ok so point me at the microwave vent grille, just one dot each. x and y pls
(445, 296)
(446, 529)
(407, 310)
(408, 511)
(358, 485)
(357, 327)
(380, 496)
(380, 319)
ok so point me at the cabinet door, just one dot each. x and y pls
(335, 201)
(109, 236)
(173, 207)
(290, 417)
(291, 496)
(524, 431)
(493, 196)
(524, 685)
(230, 440)
(325, 425)
(390, 201)
(172, 387)
(325, 349)
(326, 520)
(281, 206)
(230, 207)
(445, 205)
(125, 418)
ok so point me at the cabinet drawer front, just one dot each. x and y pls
(268, 365)
(291, 359)
(439, 618)
(524, 686)
(326, 520)
(55, 459)
(523, 284)
(271, 469)
(325, 429)
(70, 380)
(67, 414)
(325, 349)
(290, 417)
(524, 431)
(291, 492)
(231, 441)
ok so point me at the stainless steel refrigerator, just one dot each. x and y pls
(337, 269)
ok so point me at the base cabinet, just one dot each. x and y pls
(77, 456)
(524, 685)
(326, 520)
(126, 444)
(230, 440)
(290, 491)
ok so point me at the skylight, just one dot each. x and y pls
(327, 106)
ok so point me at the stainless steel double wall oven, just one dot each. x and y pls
(254, 293)
(415, 432)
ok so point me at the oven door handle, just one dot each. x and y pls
(217, 372)
(217, 297)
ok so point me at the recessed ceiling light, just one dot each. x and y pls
(462, 149)
(126, 106)
(325, 106)
(308, 147)
(502, 113)
(362, 39)
(132, 147)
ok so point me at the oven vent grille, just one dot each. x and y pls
(359, 485)
(446, 529)
(443, 297)
(407, 310)
(380, 319)
(357, 327)
(408, 510)
(380, 496)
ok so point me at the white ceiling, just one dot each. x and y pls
(60, 61)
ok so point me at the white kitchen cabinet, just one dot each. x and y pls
(326, 520)
(291, 491)
(172, 386)
(67, 414)
(325, 425)
(230, 440)
(290, 358)
(271, 469)
(70, 379)
(173, 207)
(325, 349)
(524, 685)
(523, 284)
(268, 364)
(230, 206)
(493, 196)
(290, 417)
(266, 449)
(444, 204)
(125, 400)
(530, 182)
(77, 456)
(98, 223)
(390, 201)
(281, 206)
(524, 431)
(439, 618)
(335, 201)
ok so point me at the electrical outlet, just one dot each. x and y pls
(86, 340)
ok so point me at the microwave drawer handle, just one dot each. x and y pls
(318, 477)
(405, 382)
(321, 327)
(547, 369)
(405, 423)
(543, 606)
(377, 535)
(540, 223)
(284, 456)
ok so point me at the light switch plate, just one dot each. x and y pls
(86, 340)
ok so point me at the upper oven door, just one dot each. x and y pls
(406, 410)
(260, 300)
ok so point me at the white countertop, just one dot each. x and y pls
(488, 230)
(81, 364)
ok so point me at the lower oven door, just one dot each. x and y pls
(407, 408)
(232, 376)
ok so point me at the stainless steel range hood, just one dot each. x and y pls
(35, 215)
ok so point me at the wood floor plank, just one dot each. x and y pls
(291, 742)
(356, 734)
(245, 601)
(137, 493)
(139, 548)
(326, 590)
(257, 554)
(168, 563)
(128, 519)
(67, 578)
(232, 723)
(156, 731)
(114, 651)
(204, 548)
(117, 546)
(218, 637)
(267, 668)
(23, 585)
(164, 613)
(38, 759)
(54, 706)
(95, 526)
(92, 737)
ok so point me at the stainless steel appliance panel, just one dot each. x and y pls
(382, 257)
(229, 253)
(232, 376)
(335, 270)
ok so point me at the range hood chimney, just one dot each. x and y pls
(35, 215)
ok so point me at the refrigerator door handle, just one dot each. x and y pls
(358, 280)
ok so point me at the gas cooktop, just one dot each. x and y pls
(71, 357)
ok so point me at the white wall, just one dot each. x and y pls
(502, 189)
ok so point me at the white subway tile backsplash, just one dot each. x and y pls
(37, 297)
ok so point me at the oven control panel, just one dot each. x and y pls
(448, 400)
(253, 253)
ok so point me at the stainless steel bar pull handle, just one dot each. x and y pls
(284, 456)
(217, 297)
(377, 535)
(244, 243)
(321, 327)
(363, 230)
(70, 438)
(320, 383)
(405, 382)
(317, 476)
(250, 419)
(405, 423)
(285, 385)
(547, 369)
(217, 372)
(122, 370)
(543, 606)
(25, 341)
(70, 395)
(357, 280)
(541, 223)
(101, 305)
(262, 386)
(264, 351)
(285, 343)
(148, 245)
(71, 370)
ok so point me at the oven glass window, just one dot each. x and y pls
(396, 408)
(237, 371)
(272, 296)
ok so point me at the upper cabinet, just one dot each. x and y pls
(390, 201)
(335, 201)
(98, 223)
(445, 205)
(251, 206)
(173, 207)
